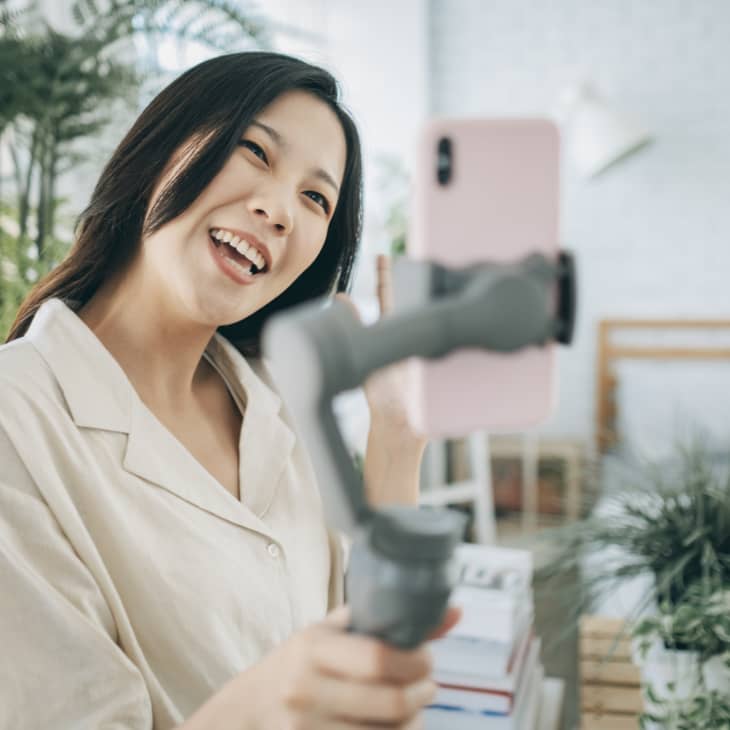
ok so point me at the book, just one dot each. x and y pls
(478, 673)
(482, 660)
(488, 700)
(494, 589)
(524, 716)
(504, 570)
(488, 666)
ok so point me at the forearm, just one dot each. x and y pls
(392, 466)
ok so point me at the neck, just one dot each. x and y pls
(157, 346)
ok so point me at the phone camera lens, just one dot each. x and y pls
(443, 161)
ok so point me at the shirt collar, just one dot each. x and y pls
(99, 395)
(98, 392)
(96, 389)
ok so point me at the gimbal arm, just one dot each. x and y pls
(316, 352)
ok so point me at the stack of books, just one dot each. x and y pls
(611, 697)
(488, 667)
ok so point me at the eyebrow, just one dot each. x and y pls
(279, 140)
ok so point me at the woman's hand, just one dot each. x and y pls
(324, 678)
(386, 389)
(394, 448)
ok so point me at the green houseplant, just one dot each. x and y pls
(58, 91)
(669, 522)
(667, 525)
(699, 620)
(692, 639)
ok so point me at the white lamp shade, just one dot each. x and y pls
(596, 135)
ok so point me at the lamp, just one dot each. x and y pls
(596, 135)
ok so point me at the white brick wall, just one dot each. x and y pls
(652, 236)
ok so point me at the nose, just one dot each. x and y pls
(272, 207)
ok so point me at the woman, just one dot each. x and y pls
(164, 560)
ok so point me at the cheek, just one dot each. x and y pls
(313, 251)
(302, 254)
(307, 247)
(158, 247)
(171, 247)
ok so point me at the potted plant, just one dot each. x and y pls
(667, 525)
(669, 522)
(685, 647)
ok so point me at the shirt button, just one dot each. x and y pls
(273, 550)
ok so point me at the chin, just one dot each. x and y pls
(213, 311)
(229, 315)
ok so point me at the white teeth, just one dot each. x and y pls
(250, 253)
(243, 269)
(238, 266)
(241, 246)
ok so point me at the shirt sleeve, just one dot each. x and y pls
(60, 665)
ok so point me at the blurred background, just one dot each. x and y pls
(639, 92)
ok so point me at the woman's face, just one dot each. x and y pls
(270, 206)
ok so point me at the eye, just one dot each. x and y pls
(258, 151)
(319, 199)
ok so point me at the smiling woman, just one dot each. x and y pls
(164, 560)
(197, 134)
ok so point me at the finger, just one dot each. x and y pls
(416, 723)
(368, 659)
(343, 699)
(451, 618)
(329, 723)
(385, 284)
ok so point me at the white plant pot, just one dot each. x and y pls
(673, 675)
(717, 675)
(664, 668)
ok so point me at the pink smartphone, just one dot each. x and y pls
(499, 202)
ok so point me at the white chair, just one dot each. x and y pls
(477, 490)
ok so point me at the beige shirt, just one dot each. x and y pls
(132, 584)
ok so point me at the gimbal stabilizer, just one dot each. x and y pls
(400, 573)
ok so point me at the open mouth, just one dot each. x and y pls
(242, 257)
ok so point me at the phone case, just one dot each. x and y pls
(500, 202)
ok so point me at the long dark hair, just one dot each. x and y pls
(214, 101)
